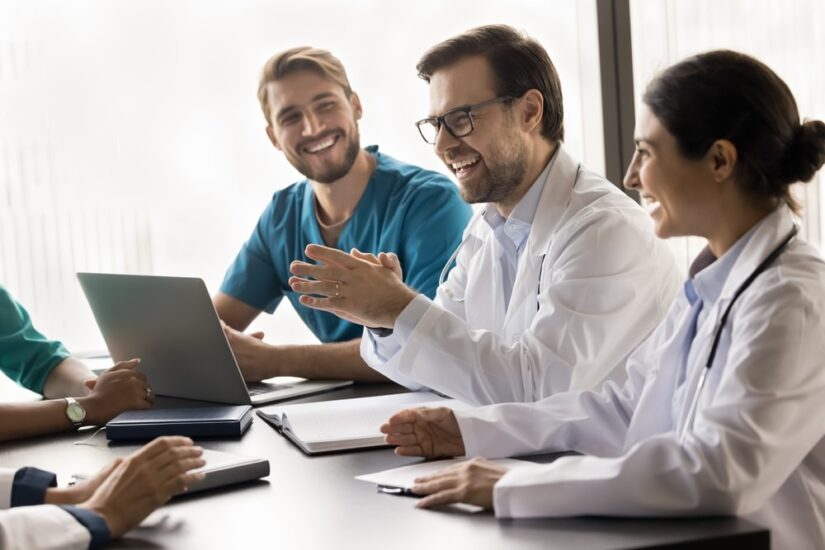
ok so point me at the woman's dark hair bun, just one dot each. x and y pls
(806, 153)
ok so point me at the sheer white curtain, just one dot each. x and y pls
(787, 36)
(131, 139)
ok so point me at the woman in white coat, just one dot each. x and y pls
(722, 411)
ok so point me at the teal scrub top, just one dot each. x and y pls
(26, 356)
(416, 213)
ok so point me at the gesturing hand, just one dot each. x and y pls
(471, 482)
(357, 287)
(427, 432)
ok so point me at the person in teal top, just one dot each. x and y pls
(352, 198)
(46, 367)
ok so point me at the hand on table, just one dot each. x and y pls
(470, 482)
(131, 488)
(427, 432)
(360, 288)
(251, 353)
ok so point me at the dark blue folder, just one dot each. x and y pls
(211, 421)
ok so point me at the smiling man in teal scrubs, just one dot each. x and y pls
(352, 197)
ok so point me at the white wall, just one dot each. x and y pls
(131, 139)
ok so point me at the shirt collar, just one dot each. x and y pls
(517, 225)
(708, 274)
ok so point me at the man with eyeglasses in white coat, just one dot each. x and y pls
(558, 278)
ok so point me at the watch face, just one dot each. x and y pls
(75, 412)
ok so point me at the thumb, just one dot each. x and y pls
(258, 334)
(90, 383)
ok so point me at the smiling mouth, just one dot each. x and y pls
(463, 167)
(650, 204)
(322, 144)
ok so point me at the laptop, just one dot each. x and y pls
(171, 325)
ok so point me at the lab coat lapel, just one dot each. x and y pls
(553, 202)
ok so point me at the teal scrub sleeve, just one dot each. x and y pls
(435, 221)
(26, 356)
(252, 278)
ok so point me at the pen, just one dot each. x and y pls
(398, 491)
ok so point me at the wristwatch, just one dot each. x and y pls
(75, 412)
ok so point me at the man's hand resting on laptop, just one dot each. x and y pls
(118, 389)
(427, 432)
(251, 353)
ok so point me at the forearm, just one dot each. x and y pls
(66, 380)
(341, 360)
(19, 420)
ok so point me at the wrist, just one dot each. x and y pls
(105, 515)
(63, 495)
(396, 306)
(91, 406)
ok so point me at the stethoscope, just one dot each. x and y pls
(721, 325)
(442, 279)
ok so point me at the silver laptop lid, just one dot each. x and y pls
(171, 325)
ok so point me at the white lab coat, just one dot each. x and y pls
(43, 527)
(605, 283)
(756, 447)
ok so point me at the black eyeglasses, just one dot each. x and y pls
(458, 121)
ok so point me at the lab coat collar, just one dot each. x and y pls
(768, 233)
(554, 200)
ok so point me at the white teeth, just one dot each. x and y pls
(650, 204)
(326, 144)
(464, 163)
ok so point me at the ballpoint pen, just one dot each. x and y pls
(398, 491)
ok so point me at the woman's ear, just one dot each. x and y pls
(722, 157)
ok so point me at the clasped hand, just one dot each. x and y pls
(358, 287)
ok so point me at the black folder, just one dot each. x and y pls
(211, 421)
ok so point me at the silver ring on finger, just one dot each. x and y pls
(148, 393)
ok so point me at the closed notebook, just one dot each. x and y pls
(346, 423)
(215, 421)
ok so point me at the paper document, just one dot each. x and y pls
(347, 423)
(404, 477)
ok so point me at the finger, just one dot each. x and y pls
(175, 455)
(406, 416)
(321, 304)
(121, 365)
(449, 471)
(160, 445)
(90, 383)
(258, 334)
(365, 256)
(178, 467)
(397, 428)
(181, 483)
(411, 450)
(401, 440)
(439, 499)
(435, 485)
(389, 260)
(321, 272)
(331, 255)
(320, 288)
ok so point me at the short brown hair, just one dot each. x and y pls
(519, 64)
(303, 58)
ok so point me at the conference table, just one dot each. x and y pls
(314, 502)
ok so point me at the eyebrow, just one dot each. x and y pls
(289, 108)
(638, 140)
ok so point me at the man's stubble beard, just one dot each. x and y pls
(331, 174)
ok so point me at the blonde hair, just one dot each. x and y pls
(303, 58)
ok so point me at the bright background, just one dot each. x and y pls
(131, 139)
